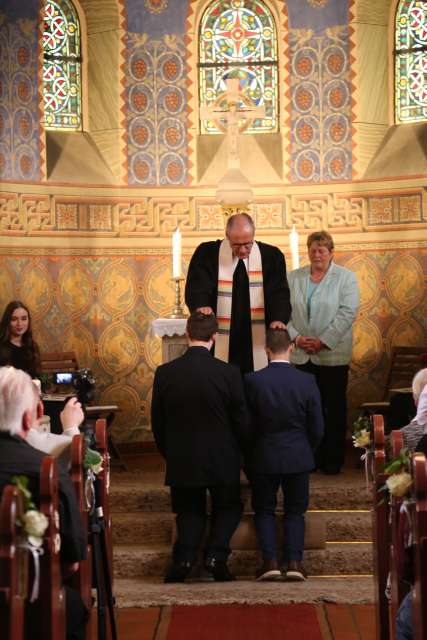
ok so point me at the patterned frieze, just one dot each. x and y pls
(29, 214)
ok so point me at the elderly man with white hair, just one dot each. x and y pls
(19, 413)
(414, 431)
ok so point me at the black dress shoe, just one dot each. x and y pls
(219, 570)
(177, 572)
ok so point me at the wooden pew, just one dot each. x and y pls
(419, 607)
(13, 566)
(82, 580)
(398, 588)
(51, 602)
(101, 439)
(380, 530)
(103, 499)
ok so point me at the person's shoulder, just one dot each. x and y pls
(343, 272)
(210, 245)
(269, 249)
(163, 369)
(225, 367)
(302, 377)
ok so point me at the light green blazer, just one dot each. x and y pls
(334, 306)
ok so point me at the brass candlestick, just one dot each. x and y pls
(178, 311)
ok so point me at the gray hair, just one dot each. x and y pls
(17, 395)
(245, 218)
(419, 381)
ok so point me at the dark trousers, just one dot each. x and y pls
(295, 504)
(189, 504)
(332, 383)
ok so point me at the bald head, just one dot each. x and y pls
(240, 231)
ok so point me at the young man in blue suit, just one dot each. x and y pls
(286, 415)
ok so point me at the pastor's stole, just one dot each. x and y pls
(226, 266)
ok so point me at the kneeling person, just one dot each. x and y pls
(200, 426)
(286, 414)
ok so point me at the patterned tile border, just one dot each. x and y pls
(36, 214)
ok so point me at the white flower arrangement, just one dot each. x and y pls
(33, 521)
(399, 482)
(362, 433)
(35, 524)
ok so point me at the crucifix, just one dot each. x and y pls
(229, 117)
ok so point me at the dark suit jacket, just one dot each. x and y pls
(199, 419)
(201, 288)
(286, 414)
(19, 458)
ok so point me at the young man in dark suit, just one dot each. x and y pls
(286, 414)
(200, 425)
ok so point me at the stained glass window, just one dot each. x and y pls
(238, 40)
(61, 66)
(411, 61)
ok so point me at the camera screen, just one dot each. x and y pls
(63, 378)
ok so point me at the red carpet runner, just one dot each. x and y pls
(233, 622)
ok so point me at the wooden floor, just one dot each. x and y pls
(337, 622)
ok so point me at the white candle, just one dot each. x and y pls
(293, 243)
(176, 254)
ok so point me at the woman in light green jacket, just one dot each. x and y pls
(325, 299)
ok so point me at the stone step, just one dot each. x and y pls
(347, 558)
(129, 498)
(158, 528)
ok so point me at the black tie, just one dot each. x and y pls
(240, 349)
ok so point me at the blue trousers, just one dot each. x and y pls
(404, 625)
(295, 503)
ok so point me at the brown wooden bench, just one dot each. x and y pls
(51, 601)
(380, 528)
(398, 588)
(58, 361)
(13, 566)
(404, 364)
(419, 608)
(82, 579)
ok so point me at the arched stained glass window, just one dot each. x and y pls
(238, 40)
(61, 66)
(411, 61)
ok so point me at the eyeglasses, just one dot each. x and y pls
(237, 245)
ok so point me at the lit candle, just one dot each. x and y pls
(176, 254)
(293, 243)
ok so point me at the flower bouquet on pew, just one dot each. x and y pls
(34, 524)
(399, 482)
(362, 439)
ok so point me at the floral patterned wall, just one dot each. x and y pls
(19, 98)
(101, 306)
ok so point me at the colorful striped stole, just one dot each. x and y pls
(226, 266)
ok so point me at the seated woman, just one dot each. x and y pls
(414, 431)
(17, 347)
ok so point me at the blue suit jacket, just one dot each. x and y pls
(287, 419)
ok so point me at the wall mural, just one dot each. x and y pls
(321, 144)
(101, 306)
(156, 110)
(19, 100)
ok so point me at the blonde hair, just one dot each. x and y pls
(17, 395)
(419, 381)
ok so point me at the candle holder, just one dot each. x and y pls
(177, 311)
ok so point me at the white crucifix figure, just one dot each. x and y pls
(233, 117)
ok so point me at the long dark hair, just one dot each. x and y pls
(28, 342)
